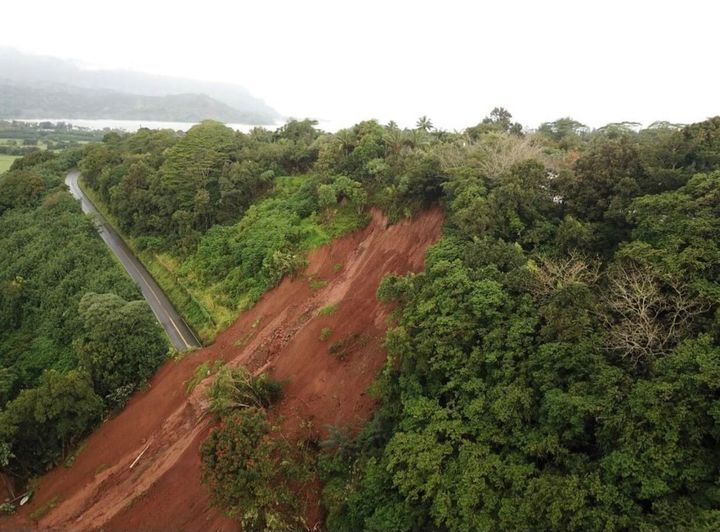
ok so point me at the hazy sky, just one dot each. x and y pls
(343, 61)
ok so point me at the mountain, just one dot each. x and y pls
(65, 101)
(33, 86)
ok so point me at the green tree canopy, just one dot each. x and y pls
(121, 346)
(42, 424)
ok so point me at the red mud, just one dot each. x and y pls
(281, 334)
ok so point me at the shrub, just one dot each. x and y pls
(248, 473)
(343, 347)
(7, 508)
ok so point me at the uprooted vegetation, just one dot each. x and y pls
(250, 470)
(343, 347)
(235, 389)
(248, 465)
(202, 372)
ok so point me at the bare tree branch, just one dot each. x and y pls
(553, 274)
(647, 316)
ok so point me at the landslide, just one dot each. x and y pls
(141, 469)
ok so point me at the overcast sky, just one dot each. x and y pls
(343, 61)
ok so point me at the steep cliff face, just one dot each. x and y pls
(141, 469)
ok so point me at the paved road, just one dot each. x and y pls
(181, 336)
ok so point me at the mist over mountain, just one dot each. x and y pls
(33, 86)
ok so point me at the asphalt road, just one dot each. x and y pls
(181, 336)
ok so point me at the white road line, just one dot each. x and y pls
(142, 277)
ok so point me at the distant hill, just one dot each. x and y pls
(64, 101)
(34, 86)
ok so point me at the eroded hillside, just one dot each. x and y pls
(141, 469)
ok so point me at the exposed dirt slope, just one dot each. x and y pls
(280, 334)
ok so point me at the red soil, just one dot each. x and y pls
(281, 334)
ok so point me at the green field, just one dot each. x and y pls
(6, 161)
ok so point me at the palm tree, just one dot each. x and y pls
(346, 137)
(425, 124)
(394, 140)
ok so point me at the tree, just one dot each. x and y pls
(499, 152)
(20, 189)
(297, 140)
(499, 120)
(327, 198)
(424, 124)
(344, 188)
(32, 159)
(704, 140)
(646, 317)
(566, 132)
(194, 165)
(608, 176)
(121, 345)
(676, 233)
(664, 151)
(42, 424)
(578, 390)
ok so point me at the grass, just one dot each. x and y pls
(40, 512)
(328, 310)
(316, 283)
(202, 372)
(206, 322)
(325, 333)
(5, 162)
(315, 234)
(70, 460)
(345, 221)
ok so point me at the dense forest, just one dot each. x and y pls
(75, 338)
(555, 367)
